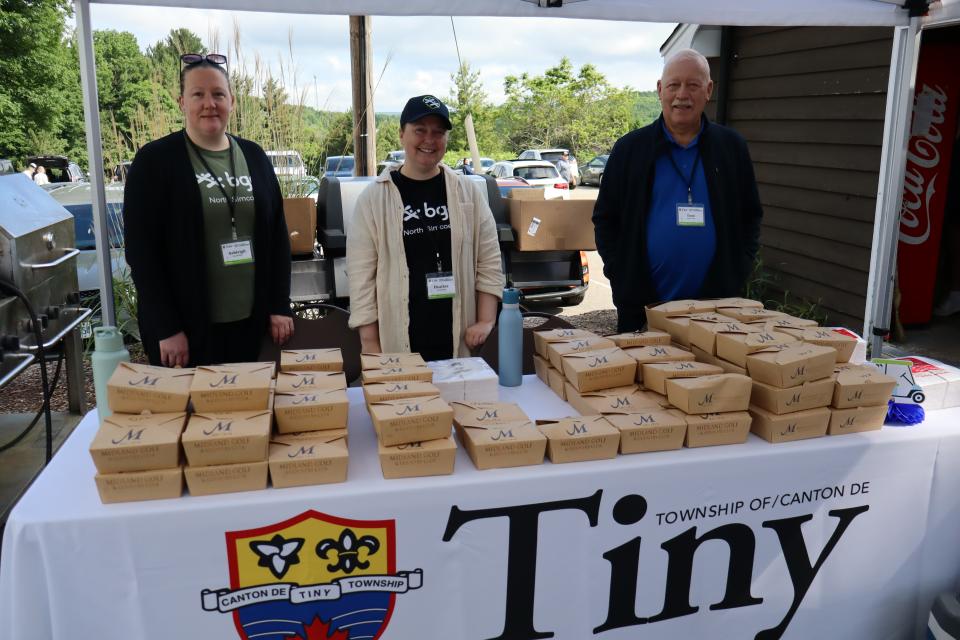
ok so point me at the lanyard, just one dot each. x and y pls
(693, 173)
(231, 205)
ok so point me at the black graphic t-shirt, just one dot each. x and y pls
(426, 232)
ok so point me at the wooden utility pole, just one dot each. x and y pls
(364, 120)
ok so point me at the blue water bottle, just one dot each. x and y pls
(510, 339)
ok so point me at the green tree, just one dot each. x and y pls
(165, 57)
(468, 96)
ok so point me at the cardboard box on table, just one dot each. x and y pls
(655, 429)
(601, 369)
(138, 442)
(390, 360)
(785, 321)
(940, 382)
(416, 459)
(465, 379)
(542, 338)
(557, 382)
(657, 354)
(799, 425)
(791, 365)
(550, 225)
(856, 419)
(860, 350)
(679, 327)
(712, 429)
(749, 314)
(311, 360)
(640, 339)
(486, 413)
(619, 400)
(843, 343)
(735, 346)
(745, 303)
(311, 410)
(301, 459)
(134, 486)
(655, 375)
(380, 391)
(301, 381)
(704, 329)
(300, 215)
(710, 394)
(580, 439)
(780, 401)
(657, 313)
(232, 387)
(498, 435)
(541, 366)
(134, 388)
(226, 478)
(214, 438)
(556, 350)
(393, 374)
(861, 386)
(411, 420)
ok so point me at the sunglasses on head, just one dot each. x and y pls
(194, 58)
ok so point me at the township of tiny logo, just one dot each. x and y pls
(312, 577)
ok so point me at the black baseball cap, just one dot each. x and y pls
(422, 106)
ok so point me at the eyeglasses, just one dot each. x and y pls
(194, 58)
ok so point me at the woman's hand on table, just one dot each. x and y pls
(281, 328)
(477, 334)
(175, 350)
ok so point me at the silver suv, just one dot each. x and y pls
(553, 156)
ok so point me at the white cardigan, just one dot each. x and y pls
(377, 263)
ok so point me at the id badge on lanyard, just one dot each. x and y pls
(691, 214)
(440, 285)
(237, 251)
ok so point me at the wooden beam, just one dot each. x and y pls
(364, 116)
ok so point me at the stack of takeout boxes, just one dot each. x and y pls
(497, 435)
(310, 411)
(137, 449)
(228, 433)
(413, 423)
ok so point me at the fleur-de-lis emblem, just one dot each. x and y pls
(348, 551)
(278, 554)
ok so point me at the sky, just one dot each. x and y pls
(411, 55)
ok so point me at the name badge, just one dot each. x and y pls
(690, 215)
(237, 252)
(440, 285)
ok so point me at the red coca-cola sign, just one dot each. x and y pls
(929, 153)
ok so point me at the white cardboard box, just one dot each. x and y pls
(465, 380)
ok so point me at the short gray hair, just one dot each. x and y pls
(689, 54)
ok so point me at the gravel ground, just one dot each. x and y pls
(23, 395)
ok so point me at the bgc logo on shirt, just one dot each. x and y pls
(428, 212)
(210, 181)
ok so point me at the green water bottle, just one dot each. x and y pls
(108, 352)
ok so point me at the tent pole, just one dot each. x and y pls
(893, 161)
(98, 199)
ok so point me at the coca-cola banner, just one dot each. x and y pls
(925, 181)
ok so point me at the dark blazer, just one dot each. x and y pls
(620, 215)
(164, 237)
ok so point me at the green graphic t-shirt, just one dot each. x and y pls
(230, 287)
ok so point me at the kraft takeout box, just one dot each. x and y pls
(711, 429)
(138, 442)
(844, 344)
(600, 369)
(311, 410)
(299, 381)
(233, 387)
(640, 339)
(411, 420)
(655, 375)
(735, 346)
(556, 350)
(134, 388)
(134, 486)
(580, 439)
(483, 414)
(710, 394)
(226, 437)
(301, 459)
(679, 326)
(498, 435)
(780, 401)
(416, 459)
(542, 338)
(862, 386)
(620, 400)
(745, 303)
(657, 353)
(391, 360)
(856, 419)
(541, 366)
(785, 321)
(704, 329)
(652, 430)
(379, 391)
(551, 225)
(311, 360)
(392, 374)
(657, 313)
(557, 382)
(750, 314)
(800, 425)
(792, 365)
(226, 478)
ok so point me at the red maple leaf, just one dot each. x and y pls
(319, 630)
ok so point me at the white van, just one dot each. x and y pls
(287, 163)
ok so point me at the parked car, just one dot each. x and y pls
(537, 173)
(338, 167)
(396, 156)
(58, 168)
(287, 163)
(553, 156)
(593, 172)
(485, 165)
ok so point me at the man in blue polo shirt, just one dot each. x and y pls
(678, 214)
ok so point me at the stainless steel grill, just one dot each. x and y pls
(37, 256)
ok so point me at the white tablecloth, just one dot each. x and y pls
(73, 568)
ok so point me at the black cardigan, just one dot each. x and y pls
(164, 238)
(620, 214)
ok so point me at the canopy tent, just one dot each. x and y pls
(906, 20)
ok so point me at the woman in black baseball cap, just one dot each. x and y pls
(422, 253)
